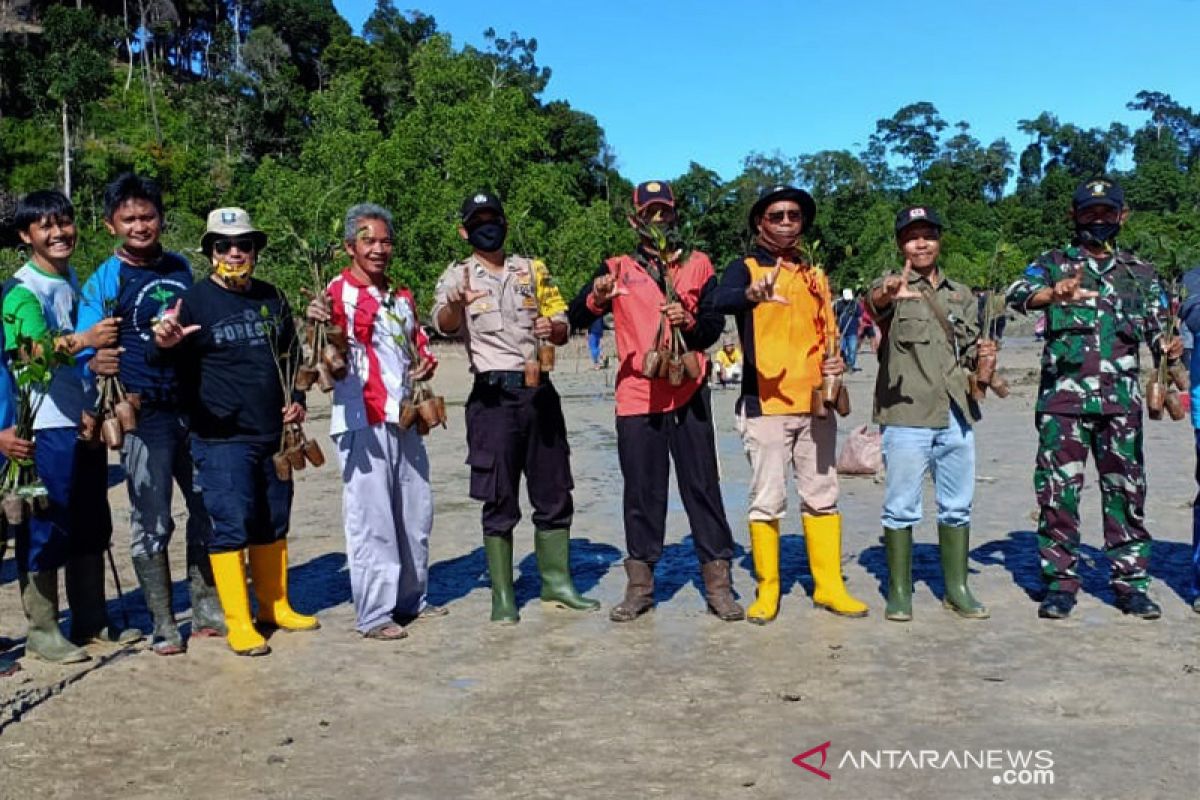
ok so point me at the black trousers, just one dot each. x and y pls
(645, 443)
(512, 431)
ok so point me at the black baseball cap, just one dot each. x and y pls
(1098, 192)
(773, 194)
(650, 192)
(914, 214)
(479, 201)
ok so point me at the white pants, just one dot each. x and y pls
(387, 508)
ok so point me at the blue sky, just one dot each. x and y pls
(673, 81)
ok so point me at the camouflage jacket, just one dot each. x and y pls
(1090, 359)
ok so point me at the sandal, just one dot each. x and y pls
(388, 631)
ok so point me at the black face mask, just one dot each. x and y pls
(1102, 233)
(487, 237)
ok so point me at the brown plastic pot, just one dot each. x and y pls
(337, 337)
(283, 466)
(296, 458)
(334, 361)
(999, 386)
(408, 414)
(691, 364)
(112, 433)
(985, 368)
(428, 409)
(675, 371)
(817, 404)
(830, 386)
(14, 508)
(422, 426)
(325, 379)
(533, 374)
(134, 399)
(1179, 376)
(977, 390)
(128, 417)
(306, 376)
(842, 404)
(441, 404)
(664, 363)
(1156, 396)
(312, 451)
(546, 357)
(650, 364)
(1174, 406)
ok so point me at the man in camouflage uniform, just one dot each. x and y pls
(1100, 304)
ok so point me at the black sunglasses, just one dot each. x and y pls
(777, 217)
(244, 243)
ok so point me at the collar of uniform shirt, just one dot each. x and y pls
(483, 269)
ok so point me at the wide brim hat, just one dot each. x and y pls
(229, 222)
(773, 194)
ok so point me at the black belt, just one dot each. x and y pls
(507, 379)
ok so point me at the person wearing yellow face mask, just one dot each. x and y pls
(223, 336)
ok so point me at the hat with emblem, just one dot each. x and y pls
(224, 223)
(1098, 192)
(773, 194)
(651, 192)
(914, 214)
(479, 201)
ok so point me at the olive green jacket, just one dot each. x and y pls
(920, 372)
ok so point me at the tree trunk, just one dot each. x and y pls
(66, 130)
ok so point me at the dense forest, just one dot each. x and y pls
(278, 106)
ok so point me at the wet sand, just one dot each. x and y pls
(676, 704)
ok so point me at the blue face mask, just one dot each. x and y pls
(487, 237)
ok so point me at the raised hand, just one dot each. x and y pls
(1068, 291)
(676, 314)
(895, 287)
(464, 295)
(606, 287)
(293, 412)
(168, 332)
(422, 370)
(763, 289)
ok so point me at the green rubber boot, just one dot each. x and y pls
(208, 618)
(898, 543)
(89, 615)
(553, 550)
(39, 597)
(154, 576)
(499, 551)
(954, 542)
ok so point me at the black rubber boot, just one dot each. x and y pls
(89, 615)
(154, 576)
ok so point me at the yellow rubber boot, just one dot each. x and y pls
(764, 547)
(268, 570)
(824, 538)
(229, 576)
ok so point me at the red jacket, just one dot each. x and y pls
(636, 318)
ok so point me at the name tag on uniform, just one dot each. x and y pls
(530, 302)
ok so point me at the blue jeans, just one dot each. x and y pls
(910, 453)
(247, 502)
(850, 349)
(155, 457)
(595, 336)
(1196, 525)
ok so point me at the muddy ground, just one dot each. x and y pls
(676, 704)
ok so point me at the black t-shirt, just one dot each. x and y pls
(229, 384)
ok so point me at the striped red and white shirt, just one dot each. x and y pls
(377, 323)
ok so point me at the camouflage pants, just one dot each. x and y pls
(1064, 442)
